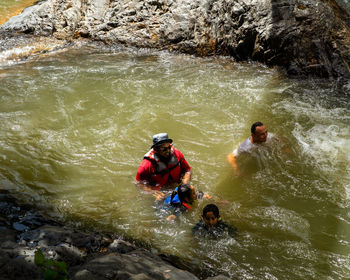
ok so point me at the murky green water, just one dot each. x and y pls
(75, 126)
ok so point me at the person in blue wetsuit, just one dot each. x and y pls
(180, 200)
(211, 225)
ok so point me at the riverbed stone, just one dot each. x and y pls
(19, 268)
(121, 246)
(139, 264)
(70, 253)
(87, 275)
(218, 277)
(7, 234)
(8, 245)
(304, 37)
(88, 255)
(4, 257)
(19, 227)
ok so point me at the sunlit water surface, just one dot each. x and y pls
(75, 127)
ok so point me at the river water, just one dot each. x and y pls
(75, 126)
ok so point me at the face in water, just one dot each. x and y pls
(164, 150)
(260, 134)
(210, 219)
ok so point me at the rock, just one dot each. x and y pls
(86, 275)
(7, 234)
(70, 253)
(121, 246)
(8, 245)
(4, 258)
(19, 227)
(87, 255)
(304, 37)
(138, 264)
(19, 268)
(219, 277)
(141, 276)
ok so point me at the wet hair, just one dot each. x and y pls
(211, 208)
(254, 125)
(183, 191)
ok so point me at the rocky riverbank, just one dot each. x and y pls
(304, 37)
(88, 255)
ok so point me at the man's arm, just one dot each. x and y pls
(185, 169)
(143, 185)
(186, 178)
(232, 160)
(159, 195)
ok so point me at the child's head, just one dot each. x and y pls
(186, 193)
(211, 215)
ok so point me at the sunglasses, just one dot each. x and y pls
(165, 149)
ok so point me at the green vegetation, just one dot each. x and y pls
(52, 269)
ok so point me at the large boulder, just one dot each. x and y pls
(91, 255)
(306, 37)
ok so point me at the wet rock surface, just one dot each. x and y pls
(304, 37)
(87, 255)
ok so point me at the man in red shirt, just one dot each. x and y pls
(163, 166)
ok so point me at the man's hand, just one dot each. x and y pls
(159, 195)
(232, 161)
(207, 196)
(170, 218)
(186, 178)
(144, 186)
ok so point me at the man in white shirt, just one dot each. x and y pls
(258, 136)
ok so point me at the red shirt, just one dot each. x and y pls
(147, 172)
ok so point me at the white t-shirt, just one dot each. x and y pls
(248, 147)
